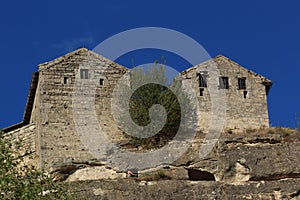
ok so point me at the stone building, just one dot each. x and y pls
(48, 123)
(244, 95)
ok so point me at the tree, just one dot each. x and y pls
(21, 181)
(144, 96)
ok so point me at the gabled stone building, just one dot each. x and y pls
(245, 94)
(48, 124)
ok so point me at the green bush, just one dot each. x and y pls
(20, 181)
(147, 95)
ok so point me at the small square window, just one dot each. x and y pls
(224, 82)
(242, 84)
(84, 73)
(101, 81)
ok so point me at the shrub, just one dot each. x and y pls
(147, 95)
(21, 181)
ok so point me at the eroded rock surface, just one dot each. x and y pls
(95, 173)
(180, 189)
(239, 167)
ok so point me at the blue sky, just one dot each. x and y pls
(260, 35)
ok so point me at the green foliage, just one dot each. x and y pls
(147, 95)
(20, 181)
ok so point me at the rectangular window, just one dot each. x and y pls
(242, 83)
(245, 94)
(84, 73)
(224, 82)
(202, 79)
(65, 80)
(101, 81)
(201, 91)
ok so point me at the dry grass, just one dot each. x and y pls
(158, 175)
(286, 134)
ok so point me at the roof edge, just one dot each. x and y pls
(220, 56)
(13, 127)
(29, 105)
(264, 79)
(46, 65)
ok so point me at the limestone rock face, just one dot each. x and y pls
(247, 158)
(95, 173)
(180, 189)
(239, 167)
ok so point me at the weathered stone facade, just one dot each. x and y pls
(26, 134)
(50, 107)
(57, 136)
(245, 94)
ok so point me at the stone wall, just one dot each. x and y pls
(36, 119)
(26, 135)
(242, 112)
(59, 139)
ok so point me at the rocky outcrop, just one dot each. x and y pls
(255, 156)
(261, 165)
(179, 189)
(95, 173)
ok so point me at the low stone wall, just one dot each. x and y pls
(27, 136)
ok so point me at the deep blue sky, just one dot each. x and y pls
(260, 35)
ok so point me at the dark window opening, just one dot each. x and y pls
(201, 91)
(65, 80)
(84, 73)
(202, 79)
(224, 82)
(101, 81)
(245, 94)
(242, 83)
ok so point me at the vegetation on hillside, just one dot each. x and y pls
(21, 181)
(159, 90)
(284, 134)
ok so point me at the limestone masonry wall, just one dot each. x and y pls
(26, 135)
(245, 108)
(60, 142)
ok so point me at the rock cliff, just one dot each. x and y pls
(261, 164)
